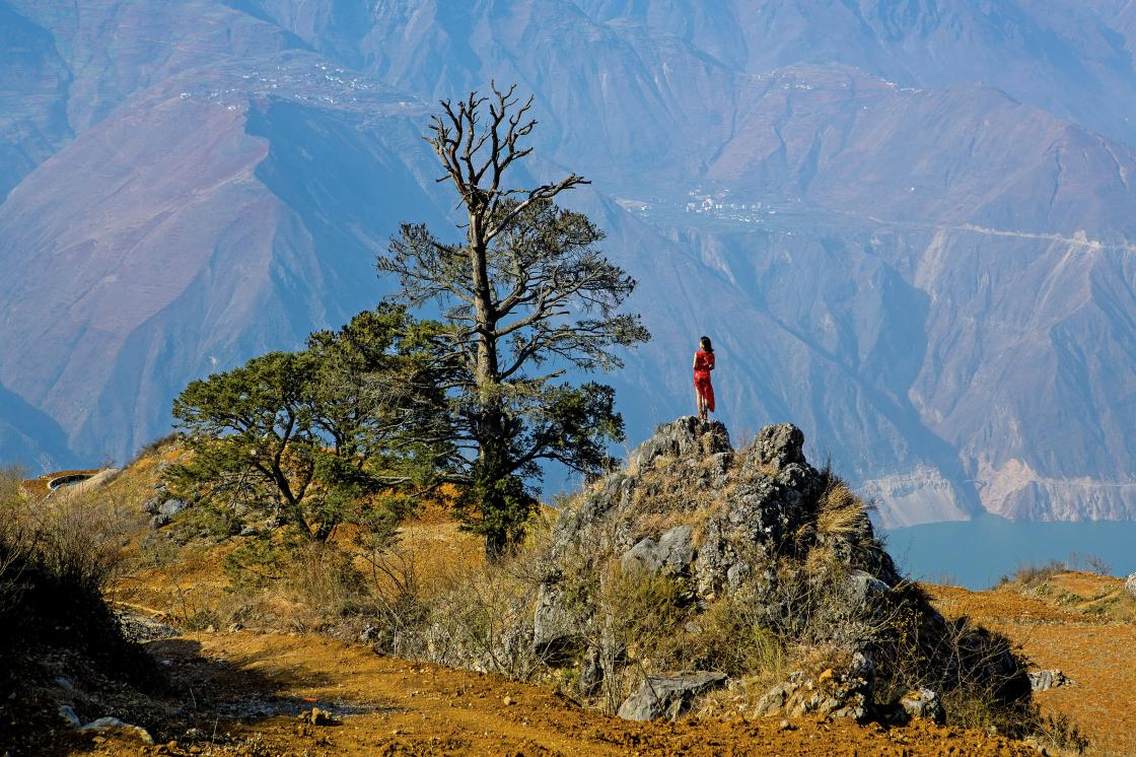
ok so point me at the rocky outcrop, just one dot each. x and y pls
(556, 630)
(922, 704)
(672, 553)
(746, 507)
(142, 628)
(1130, 585)
(762, 538)
(162, 508)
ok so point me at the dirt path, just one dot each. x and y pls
(244, 691)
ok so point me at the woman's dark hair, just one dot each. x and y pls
(705, 343)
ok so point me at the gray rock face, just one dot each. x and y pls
(171, 507)
(780, 445)
(556, 630)
(668, 695)
(163, 509)
(772, 488)
(863, 588)
(672, 553)
(1130, 585)
(681, 438)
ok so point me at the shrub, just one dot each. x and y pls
(1033, 576)
(483, 622)
(324, 577)
(730, 639)
(56, 558)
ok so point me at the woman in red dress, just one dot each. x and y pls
(703, 389)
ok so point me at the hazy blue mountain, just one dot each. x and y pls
(28, 437)
(905, 223)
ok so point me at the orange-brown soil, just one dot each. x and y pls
(412, 708)
(1062, 625)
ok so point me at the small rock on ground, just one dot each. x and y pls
(923, 704)
(106, 725)
(1043, 680)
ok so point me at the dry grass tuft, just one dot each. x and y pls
(840, 513)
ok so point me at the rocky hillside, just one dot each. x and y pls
(741, 590)
(906, 224)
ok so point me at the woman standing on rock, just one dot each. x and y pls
(703, 389)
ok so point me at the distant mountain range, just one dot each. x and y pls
(906, 223)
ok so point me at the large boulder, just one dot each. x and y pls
(780, 445)
(1130, 585)
(171, 506)
(672, 553)
(668, 695)
(163, 509)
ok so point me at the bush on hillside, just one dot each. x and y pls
(56, 558)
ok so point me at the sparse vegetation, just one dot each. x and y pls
(406, 599)
(55, 560)
(1036, 576)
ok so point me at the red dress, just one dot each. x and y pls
(703, 363)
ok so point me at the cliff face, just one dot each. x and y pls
(906, 226)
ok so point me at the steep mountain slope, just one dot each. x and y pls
(202, 245)
(29, 436)
(946, 327)
(911, 238)
(33, 122)
(669, 59)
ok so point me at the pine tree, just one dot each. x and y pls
(527, 296)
